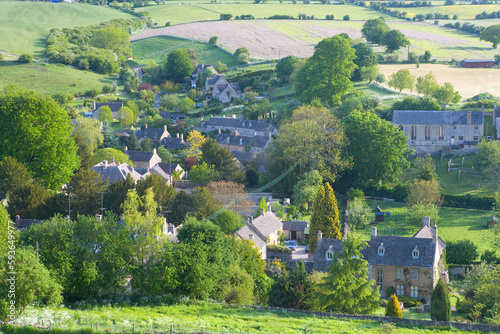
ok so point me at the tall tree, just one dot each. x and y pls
(36, 131)
(305, 191)
(13, 175)
(110, 139)
(195, 139)
(232, 196)
(440, 302)
(261, 206)
(178, 65)
(228, 221)
(346, 288)
(427, 84)
(378, 149)
(326, 75)
(285, 67)
(116, 195)
(163, 193)
(365, 57)
(446, 94)
(105, 114)
(374, 29)
(222, 160)
(133, 142)
(85, 188)
(491, 34)
(394, 40)
(205, 204)
(402, 79)
(91, 130)
(126, 116)
(325, 217)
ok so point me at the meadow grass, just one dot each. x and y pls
(463, 11)
(60, 79)
(24, 25)
(212, 317)
(146, 50)
(453, 224)
(193, 12)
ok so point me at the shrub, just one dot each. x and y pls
(410, 301)
(392, 309)
(213, 40)
(440, 302)
(461, 252)
(279, 249)
(167, 24)
(354, 193)
(25, 58)
(390, 291)
(469, 202)
(346, 18)
(380, 78)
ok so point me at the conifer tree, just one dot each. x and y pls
(316, 219)
(325, 217)
(262, 205)
(392, 309)
(133, 142)
(440, 302)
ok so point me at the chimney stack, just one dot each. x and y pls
(154, 151)
(469, 115)
(177, 135)
(261, 212)
(182, 136)
(105, 164)
(250, 220)
(165, 127)
(434, 233)
(374, 231)
(427, 222)
(145, 125)
(126, 148)
(319, 236)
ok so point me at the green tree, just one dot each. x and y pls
(427, 84)
(25, 58)
(416, 212)
(285, 67)
(378, 149)
(85, 187)
(220, 66)
(105, 114)
(203, 173)
(426, 57)
(36, 132)
(313, 139)
(117, 193)
(365, 58)
(440, 302)
(326, 75)
(182, 204)
(204, 203)
(126, 116)
(446, 94)
(461, 252)
(374, 29)
(163, 194)
(325, 217)
(242, 55)
(186, 104)
(412, 103)
(360, 215)
(111, 38)
(305, 191)
(90, 129)
(346, 288)
(170, 101)
(261, 206)
(133, 142)
(369, 73)
(146, 145)
(228, 221)
(13, 175)
(394, 40)
(402, 79)
(110, 139)
(109, 154)
(392, 309)
(28, 201)
(213, 40)
(178, 65)
(423, 192)
(221, 159)
(491, 34)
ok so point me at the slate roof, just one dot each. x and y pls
(174, 143)
(167, 167)
(426, 233)
(114, 106)
(267, 223)
(24, 224)
(320, 262)
(443, 117)
(139, 155)
(253, 141)
(260, 126)
(114, 172)
(247, 230)
(398, 251)
(227, 122)
(200, 68)
(244, 156)
(173, 115)
(294, 225)
(213, 79)
(152, 133)
(154, 170)
(233, 86)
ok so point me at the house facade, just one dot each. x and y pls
(113, 172)
(433, 131)
(235, 142)
(295, 230)
(244, 127)
(227, 92)
(143, 159)
(155, 135)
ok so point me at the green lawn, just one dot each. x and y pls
(453, 224)
(25, 25)
(193, 12)
(157, 49)
(209, 316)
(60, 79)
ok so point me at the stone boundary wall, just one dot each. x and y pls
(405, 322)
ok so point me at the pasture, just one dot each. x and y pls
(274, 39)
(180, 13)
(25, 25)
(157, 49)
(468, 81)
(60, 79)
(463, 11)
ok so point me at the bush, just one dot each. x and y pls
(354, 193)
(279, 249)
(461, 252)
(346, 18)
(469, 202)
(390, 291)
(281, 17)
(330, 17)
(440, 302)
(213, 40)
(167, 24)
(25, 58)
(392, 309)
(410, 301)
(380, 78)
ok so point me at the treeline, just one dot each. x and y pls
(244, 17)
(405, 4)
(466, 26)
(484, 15)
(100, 49)
(383, 7)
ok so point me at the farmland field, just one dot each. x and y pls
(24, 25)
(149, 49)
(61, 79)
(272, 39)
(463, 11)
(468, 81)
(192, 12)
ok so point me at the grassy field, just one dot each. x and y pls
(25, 25)
(211, 317)
(454, 224)
(60, 79)
(468, 81)
(157, 49)
(463, 11)
(180, 13)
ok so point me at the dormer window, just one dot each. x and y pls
(415, 253)
(329, 254)
(381, 249)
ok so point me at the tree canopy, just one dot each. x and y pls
(285, 67)
(325, 217)
(402, 79)
(394, 40)
(374, 29)
(326, 75)
(491, 34)
(36, 132)
(178, 65)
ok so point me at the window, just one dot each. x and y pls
(399, 273)
(427, 133)
(413, 132)
(380, 277)
(329, 255)
(400, 290)
(414, 291)
(381, 250)
(441, 132)
(414, 274)
(452, 137)
(476, 126)
(415, 253)
(460, 137)
(454, 127)
(476, 137)
(401, 127)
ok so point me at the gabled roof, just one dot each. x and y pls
(244, 156)
(213, 79)
(253, 141)
(247, 230)
(168, 168)
(426, 233)
(145, 172)
(114, 172)
(151, 133)
(267, 223)
(200, 68)
(294, 225)
(398, 251)
(220, 122)
(443, 117)
(140, 155)
(259, 125)
(231, 86)
(174, 143)
(114, 106)
(173, 115)
(24, 224)
(320, 262)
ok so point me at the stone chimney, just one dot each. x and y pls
(105, 164)
(434, 233)
(220, 131)
(427, 222)
(18, 218)
(319, 236)
(469, 116)
(126, 148)
(250, 220)
(374, 231)
(145, 125)
(177, 135)
(182, 136)
(112, 160)
(165, 128)
(261, 212)
(241, 141)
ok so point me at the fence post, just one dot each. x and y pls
(171, 328)
(50, 327)
(133, 328)
(248, 330)
(91, 327)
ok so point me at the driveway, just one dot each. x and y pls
(300, 253)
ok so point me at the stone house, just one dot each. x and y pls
(410, 265)
(235, 142)
(175, 143)
(227, 92)
(243, 126)
(199, 70)
(143, 159)
(113, 172)
(263, 230)
(155, 135)
(213, 81)
(173, 116)
(433, 131)
(295, 230)
(218, 124)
